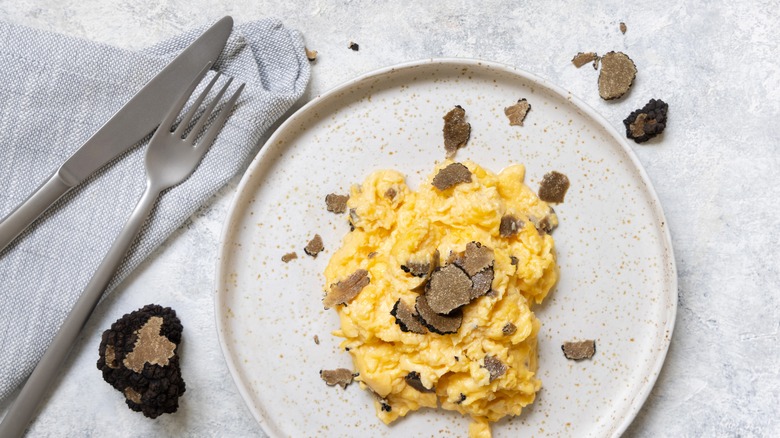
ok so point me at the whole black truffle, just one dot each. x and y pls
(647, 122)
(138, 357)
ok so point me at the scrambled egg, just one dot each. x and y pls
(392, 225)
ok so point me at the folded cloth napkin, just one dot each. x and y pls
(55, 92)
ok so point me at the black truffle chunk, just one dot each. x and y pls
(413, 380)
(456, 131)
(517, 112)
(314, 246)
(339, 376)
(436, 323)
(406, 318)
(451, 176)
(509, 225)
(336, 203)
(448, 289)
(139, 357)
(579, 350)
(553, 187)
(647, 122)
(495, 367)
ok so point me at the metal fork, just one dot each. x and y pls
(170, 159)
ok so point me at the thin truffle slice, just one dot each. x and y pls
(339, 376)
(440, 324)
(345, 290)
(495, 367)
(336, 203)
(583, 58)
(617, 75)
(413, 379)
(553, 187)
(509, 225)
(517, 112)
(452, 175)
(417, 269)
(579, 350)
(456, 131)
(482, 281)
(476, 258)
(647, 122)
(406, 318)
(289, 256)
(139, 357)
(314, 246)
(448, 289)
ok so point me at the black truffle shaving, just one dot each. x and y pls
(413, 380)
(139, 357)
(495, 367)
(647, 122)
(406, 318)
(439, 324)
(461, 399)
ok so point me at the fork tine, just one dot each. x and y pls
(176, 109)
(194, 108)
(207, 113)
(214, 129)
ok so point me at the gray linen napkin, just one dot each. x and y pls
(55, 91)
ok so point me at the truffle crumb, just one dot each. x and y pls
(314, 246)
(336, 203)
(436, 323)
(647, 122)
(583, 58)
(289, 256)
(579, 350)
(448, 289)
(553, 187)
(345, 290)
(456, 130)
(495, 367)
(339, 376)
(623, 27)
(452, 175)
(509, 329)
(513, 260)
(517, 112)
(311, 55)
(461, 399)
(316, 339)
(406, 318)
(390, 193)
(354, 46)
(413, 379)
(617, 75)
(547, 224)
(371, 255)
(139, 356)
(509, 225)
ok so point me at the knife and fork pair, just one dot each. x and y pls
(172, 155)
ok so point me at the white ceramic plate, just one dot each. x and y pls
(617, 282)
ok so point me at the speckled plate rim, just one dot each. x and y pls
(272, 145)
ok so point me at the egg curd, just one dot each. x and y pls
(393, 225)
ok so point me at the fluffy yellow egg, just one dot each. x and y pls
(487, 368)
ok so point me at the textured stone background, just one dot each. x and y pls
(715, 169)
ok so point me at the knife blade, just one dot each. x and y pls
(131, 123)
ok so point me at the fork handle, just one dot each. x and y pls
(40, 381)
(26, 213)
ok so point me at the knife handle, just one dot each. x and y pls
(26, 213)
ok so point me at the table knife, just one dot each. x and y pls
(134, 121)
